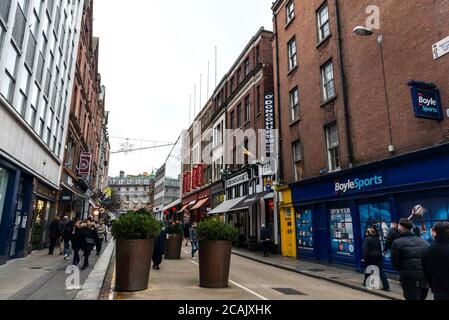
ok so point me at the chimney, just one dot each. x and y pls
(122, 174)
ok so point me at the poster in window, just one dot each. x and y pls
(304, 230)
(341, 232)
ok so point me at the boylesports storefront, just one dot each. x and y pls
(333, 212)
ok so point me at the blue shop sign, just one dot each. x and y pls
(426, 101)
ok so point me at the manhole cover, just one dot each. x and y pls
(289, 291)
(36, 268)
(316, 270)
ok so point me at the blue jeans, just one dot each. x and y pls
(194, 247)
(67, 251)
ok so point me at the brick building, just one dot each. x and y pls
(358, 148)
(86, 126)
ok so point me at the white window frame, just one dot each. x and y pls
(292, 54)
(294, 105)
(327, 82)
(332, 148)
(321, 24)
(290, 11)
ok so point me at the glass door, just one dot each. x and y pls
(4, 176)
(17, 221)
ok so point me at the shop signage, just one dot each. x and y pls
(43, 190)
(269, 124)
(67, 197)
(441, 48)
(426, 101)
(85, 161)
(24, 222)
(237, 180)
(358, 184)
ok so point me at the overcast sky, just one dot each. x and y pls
(151, 56)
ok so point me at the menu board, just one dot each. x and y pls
(304, 230)
(341, 232)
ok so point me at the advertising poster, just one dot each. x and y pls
(341, 232)
(304, 230)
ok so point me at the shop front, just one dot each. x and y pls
(171, 211)
(287, 222)
(186, 212)
(333, 212)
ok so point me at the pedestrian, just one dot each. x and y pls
(66, 237)
(53, 234)
(106, 230)
(88, 230)
(435, 262)
(186, 230)
(159, 249)
(265, 239)
(193, 239)
(372, 256)
(101, 230)
(77, 242)
(392, 235)
(406, 257)
(61, 227)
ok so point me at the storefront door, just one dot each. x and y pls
(20, 221)
(4, 177)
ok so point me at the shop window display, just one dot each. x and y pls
(376, 215)
(304, 230)
(342, 232)
(425, 213)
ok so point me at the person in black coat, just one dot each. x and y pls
(77, 240)
(186, 231)
(406, 257)
(53, 234)
(435, 262)
(372, 256)
(265, 238)
(392, 235)
(159, 249)
(87, 230)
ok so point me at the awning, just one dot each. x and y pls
(73, 191)
(249, 201)
(225, 206)
(94, 204)
(183, 208)
(200, 204)
(173, 204)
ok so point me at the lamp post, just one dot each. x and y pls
(366, 32)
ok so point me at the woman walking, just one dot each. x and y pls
(372, 256)
(101, 231)
(89, 241)
(77, 242)
(159, 249)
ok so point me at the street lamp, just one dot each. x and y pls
(366, 32)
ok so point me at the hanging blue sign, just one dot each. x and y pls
(427, 102)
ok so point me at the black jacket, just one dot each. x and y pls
(88, 237)
(264, 234)
(435, 263)
(53, 229)
(68, 231)
(372, 251)
(392, 235)
(406, 255)
(77, 238)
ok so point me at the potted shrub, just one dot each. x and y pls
(173, 244)
(215, 245)
(135, 234)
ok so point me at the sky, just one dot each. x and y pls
(151, 56)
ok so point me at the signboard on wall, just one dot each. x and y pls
(85, 162)
(440, 48)
(426, 100)
(269, 124)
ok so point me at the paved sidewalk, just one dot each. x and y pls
(341, 276)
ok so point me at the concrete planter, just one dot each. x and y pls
(215, 262)
(133, 264)
(173, 246)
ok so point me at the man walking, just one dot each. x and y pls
(435, 262)
(67, 237)
(406, 256)
(53, 234)
(194, 240)
(265, 240)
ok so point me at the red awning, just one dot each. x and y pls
(200, 204)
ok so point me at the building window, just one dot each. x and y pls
(290, 11)
(297, 160)
(327, 81)
(257, 55)
(323, 23)
(238, 76)
(8, 85)
(247, 109)
(294, 104)
(5, 5)
(232, 84)
(239, 116)
(258, 99)
(231, 120)
(292, 59)
(332, 146)
(246, 66)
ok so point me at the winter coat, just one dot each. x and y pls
(186, 231)
(53, 229)
(435, 263)
(193, 234)
(88, 235)
(159, 243)
(68, 231)
(265, 234)
(406, 256)
(392, 235)
(62, 225)
(77, 238)
(372, 251)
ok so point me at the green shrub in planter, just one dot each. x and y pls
(136, 226)
(216, 231)
(173, 229)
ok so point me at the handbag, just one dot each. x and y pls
(90, 241)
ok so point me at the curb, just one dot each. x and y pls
(92, 286)
(342, 283)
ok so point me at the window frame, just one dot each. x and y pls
(294, 118)
(320, 34)
(289, 15)
(291, 56)
(330, 155)
(325, 82)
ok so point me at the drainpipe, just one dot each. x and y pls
(344, 84)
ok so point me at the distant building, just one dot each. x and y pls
(132, 192)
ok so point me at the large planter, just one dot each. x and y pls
(173, 246)
(133, 264)
(215, 262)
